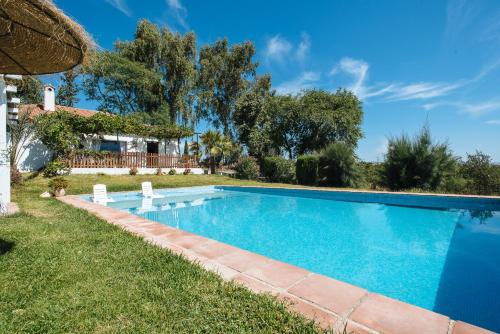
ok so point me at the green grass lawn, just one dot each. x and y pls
(64, 270)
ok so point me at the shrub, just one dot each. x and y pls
(133, 171)
(247, 168)
(55, 168)
(101, 174)
(306, 169)
(371, 174)
(278, 169)
(481, 175)
(172, 172)
(15, 175)
(417, 163)
(159, 172)
(187, 171)
(58, 183)
(338, 166)
(454, 185)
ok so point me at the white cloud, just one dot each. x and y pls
(178, 12)
(469, 108)
(305, 81)
(280, 49)
(277, 48)
(121, 5)
(358, 69)
(459, 15)
(304, 47)
(493, 122)
(421, 90)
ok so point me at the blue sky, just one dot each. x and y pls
(408, 61)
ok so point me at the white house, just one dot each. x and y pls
(36, 155)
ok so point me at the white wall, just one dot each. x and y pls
(125, 171)
(36, 155)
(134, 144)
(33, 156)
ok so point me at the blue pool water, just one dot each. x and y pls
(440, 253)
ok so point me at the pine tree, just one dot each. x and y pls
(186, 148)
(68, 90)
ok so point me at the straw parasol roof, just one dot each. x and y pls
(37, 38)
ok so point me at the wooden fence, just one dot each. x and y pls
(133, 159)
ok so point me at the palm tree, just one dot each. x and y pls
(213, 142)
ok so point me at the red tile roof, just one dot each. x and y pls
(37, 109)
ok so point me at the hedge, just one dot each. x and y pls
(278, 169)
(307, 169)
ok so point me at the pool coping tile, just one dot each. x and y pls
(465, 328)
(334, 295)
(387, 315)
(331, 303)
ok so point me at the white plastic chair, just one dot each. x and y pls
(147, 190)
(101, 194)
(197, 202)
(147, 205)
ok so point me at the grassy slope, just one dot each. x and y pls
(63, 270)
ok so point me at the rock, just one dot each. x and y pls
(45, 195)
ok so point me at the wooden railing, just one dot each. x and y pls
(129, 160)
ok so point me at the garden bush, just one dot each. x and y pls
(371, 174)
(159, 172)
(133, 171)
(417, 163)
(187, 171)
(55, 168)
(306, 169)
(58, 183)
(278, 169)
(338, 166)
(15, 175)
(247, 168)
(172, 172)
(481, 175)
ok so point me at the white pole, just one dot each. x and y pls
(4, 158)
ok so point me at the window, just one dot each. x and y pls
(110, 146)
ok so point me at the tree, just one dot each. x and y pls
(296, 125)
(145, 48)
(123, 86)
(224, 75)
(481, 175)
(194, 148)
(29, 89)
(329, 118)
(418, 162)
(249, 106)
(213, 142)
(178, 66)
(20, 133)
(186, 148)
(56, 132)
(68, 90)
(173, 57)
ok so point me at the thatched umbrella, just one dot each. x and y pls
(37, 38)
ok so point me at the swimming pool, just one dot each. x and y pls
(440, 253)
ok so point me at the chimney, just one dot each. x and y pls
(49, 100)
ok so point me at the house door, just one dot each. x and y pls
(152, 155)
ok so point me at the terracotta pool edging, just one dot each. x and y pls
(352, 190)
(333, 304)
